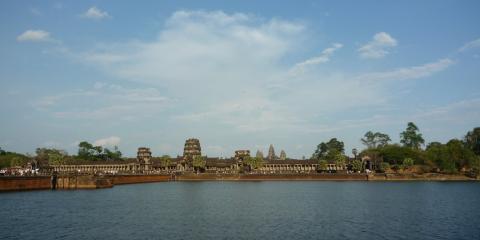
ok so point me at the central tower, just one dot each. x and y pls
(192, 149)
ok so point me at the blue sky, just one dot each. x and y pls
(235, 74)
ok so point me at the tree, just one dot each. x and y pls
(472, 140)
(394, 154)
(253, 162)
(323, 164)
(438, 154)
(12, 159)
(411, 137)
(16, 162)
(357, 166)
(354, 152)
(328, 150)
(407, 163)
(50, 156)
(452, 156)
(384, 166)
(111, 155)
(374, 140)
(56, 158)
(2, 152)
(340, 160)
(165, 161)
(283, 155)
(86, 151)
(259, 154)
(271, 153)
(199, 162)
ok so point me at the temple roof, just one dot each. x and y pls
(103, 162)
(291, 161)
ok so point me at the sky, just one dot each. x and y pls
(235, 74)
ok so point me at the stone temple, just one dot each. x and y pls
(145, 163)
(191, 149)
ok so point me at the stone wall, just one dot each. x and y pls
(127, 179)
(83, 182)
(271, 177)
(24, 183)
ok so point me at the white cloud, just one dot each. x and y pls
(95, 13)
(202, 50)
(107, 142)
(470, 45)
(323, 58)
(410, 72)
(104, 101)
(230, 71)
(377, 48)
(35, 36)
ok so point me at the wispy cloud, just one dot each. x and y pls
(95, 13)
(104, 101)
(35, 36)
(409, 72)
(107, 142)
(229, 70)
(378, 47)
(470, 45)
(323, 58)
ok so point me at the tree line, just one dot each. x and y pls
(52, 156)
(450, 157)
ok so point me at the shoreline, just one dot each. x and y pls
(72, 182)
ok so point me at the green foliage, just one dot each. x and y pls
(16, 162)
(323, 165)
(407, 163)
(111, 155)
(253, 162)
(340, 160)
(374, 140)
(411, 137)
(395, 154)
(51, 156)
(86, 151)
(452, 156)
(384, 166)
(472, 140)
(328, 150)
(165, 160)
(357, 166)
(12, 159)
(199, 162)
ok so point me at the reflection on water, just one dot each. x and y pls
(247, 210)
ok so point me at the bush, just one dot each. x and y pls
(395, 154)
(408, 163)
(384, 166)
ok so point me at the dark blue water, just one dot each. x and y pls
(247, 210)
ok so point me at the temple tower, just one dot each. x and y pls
(271, 153)
(240, 155)
(192, 148)
(144, 155)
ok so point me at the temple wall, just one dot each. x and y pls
(24, 183)
(127, 179)
(268, 177)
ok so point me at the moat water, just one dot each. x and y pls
(247, 210)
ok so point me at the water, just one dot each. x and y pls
(247, 210)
